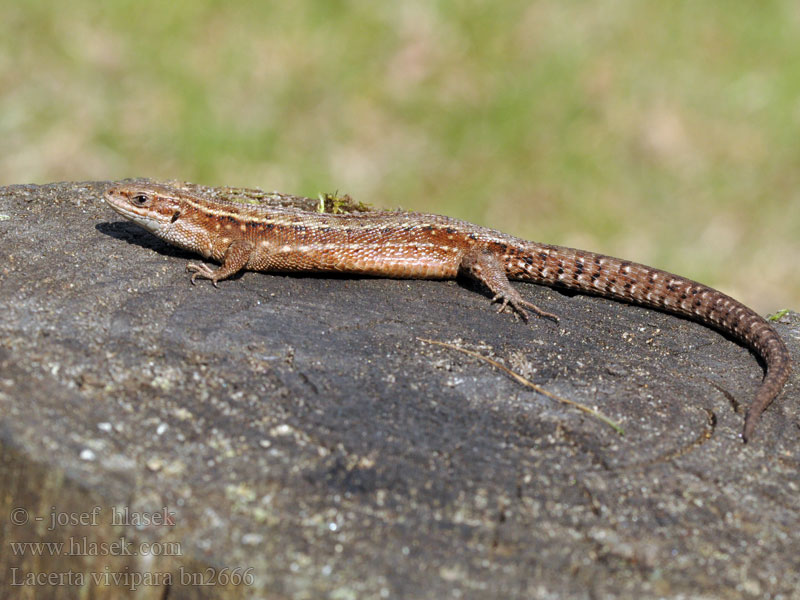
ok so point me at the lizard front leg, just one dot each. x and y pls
(236, 257)
(481, 264)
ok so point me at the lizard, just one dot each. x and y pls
(399, 244)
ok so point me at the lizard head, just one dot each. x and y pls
(153, 207)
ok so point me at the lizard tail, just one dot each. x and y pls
(779, 367)
(624, 280)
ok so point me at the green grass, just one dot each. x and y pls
(663, 132)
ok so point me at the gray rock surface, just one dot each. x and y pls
(304, 443)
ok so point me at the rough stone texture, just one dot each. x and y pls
(298, 433)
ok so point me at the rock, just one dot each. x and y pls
(291, 437)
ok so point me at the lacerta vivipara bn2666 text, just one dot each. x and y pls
(398, 244)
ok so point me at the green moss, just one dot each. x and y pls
(335, 204)
(778, 315)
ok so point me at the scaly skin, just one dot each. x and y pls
(422, 246)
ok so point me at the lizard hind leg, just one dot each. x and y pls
(483, 265)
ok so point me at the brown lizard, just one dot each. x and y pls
(422, 246)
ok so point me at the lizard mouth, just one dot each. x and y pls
(119, 202)
(122, 204)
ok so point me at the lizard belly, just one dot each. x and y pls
(403, 263)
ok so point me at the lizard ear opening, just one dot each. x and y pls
(175, 216)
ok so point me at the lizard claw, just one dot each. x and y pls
(519, 306)
(201, 271)
(541, 312)
(516, 310)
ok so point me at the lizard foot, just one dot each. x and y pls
(518, 306)
(203, 272)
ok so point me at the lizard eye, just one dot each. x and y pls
(139, 199)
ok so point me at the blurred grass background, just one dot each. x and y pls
(663, 132)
